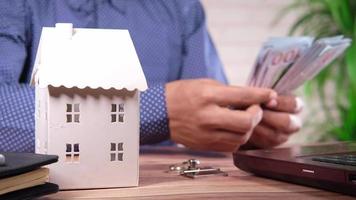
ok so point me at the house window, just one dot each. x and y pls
(72, 113)
(117, 113)
(72, 152)
(116, 151)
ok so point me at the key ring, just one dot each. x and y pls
(191, 169)
(189, 164)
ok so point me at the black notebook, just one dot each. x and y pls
(19, 163)
(32, 192)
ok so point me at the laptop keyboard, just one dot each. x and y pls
(344, 159)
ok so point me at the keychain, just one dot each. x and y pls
(191, 169)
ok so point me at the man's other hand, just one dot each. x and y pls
(200, 114)
(278, 123)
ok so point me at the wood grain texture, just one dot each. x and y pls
(156, 183)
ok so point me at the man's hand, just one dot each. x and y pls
(200, 114)
(278, 123)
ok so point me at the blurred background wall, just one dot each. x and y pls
(239, 27)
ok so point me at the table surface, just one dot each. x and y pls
(156, 183)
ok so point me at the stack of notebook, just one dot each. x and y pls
(23, 176)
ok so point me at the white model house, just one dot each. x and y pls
(87, 106)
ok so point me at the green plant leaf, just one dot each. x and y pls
(351, 64)
(340, 82)
(350, 122)
(341, 12)
(322, 18)
(354, 31)
(308, 89)
(307, 18)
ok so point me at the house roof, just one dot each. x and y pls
(95, 58)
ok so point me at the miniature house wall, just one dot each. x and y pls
(87, 84)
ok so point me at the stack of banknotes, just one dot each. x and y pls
(285, 63)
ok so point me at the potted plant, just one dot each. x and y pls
(323, 18)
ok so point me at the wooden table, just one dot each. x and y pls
(156, 183)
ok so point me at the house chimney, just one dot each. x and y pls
(64, 30)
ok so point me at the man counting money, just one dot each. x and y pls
(188, 100)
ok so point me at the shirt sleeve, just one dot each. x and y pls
(153, 116)
(200, 60)
(16, 100)
(17, 118)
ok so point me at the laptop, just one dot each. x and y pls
(326, 166)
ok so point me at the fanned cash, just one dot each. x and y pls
(285, 63)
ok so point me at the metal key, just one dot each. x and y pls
(191, 169)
